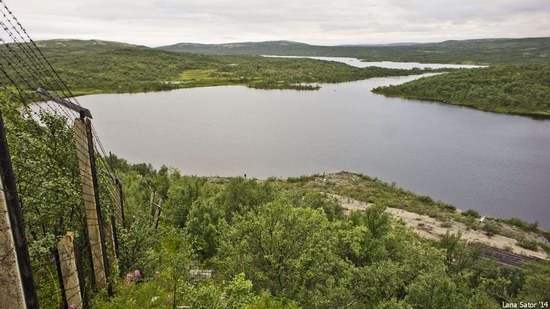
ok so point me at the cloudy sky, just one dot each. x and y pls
(161, 22)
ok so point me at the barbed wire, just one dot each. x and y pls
(24, 69)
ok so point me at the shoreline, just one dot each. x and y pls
(433, 226)
(532, 115)
(328, 175)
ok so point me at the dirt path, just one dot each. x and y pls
(428, 227)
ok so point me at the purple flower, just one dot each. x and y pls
(72, 306)
(137, 273)
(129, 278)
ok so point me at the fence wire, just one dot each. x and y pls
(49, 161)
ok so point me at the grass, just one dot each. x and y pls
(204, 78)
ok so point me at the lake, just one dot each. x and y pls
(496, 164)
(384, 64)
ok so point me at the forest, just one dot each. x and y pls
(270, 243)
(110, 67)
(512, 89)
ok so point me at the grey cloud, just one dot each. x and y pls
(157, 22)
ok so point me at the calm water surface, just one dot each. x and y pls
(496, 164)
(385, 64)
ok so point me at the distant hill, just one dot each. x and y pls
(244, 48)
(81, 45)
(478, 51)
(94, 66)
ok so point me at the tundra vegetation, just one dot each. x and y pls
(516, 82)
(479, 51)
(109, 67)
(287, 244)
(512, 89)
(272, 243)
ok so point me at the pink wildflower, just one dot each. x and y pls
(137, 273)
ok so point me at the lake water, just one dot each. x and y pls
(496, 164)
(385, 64)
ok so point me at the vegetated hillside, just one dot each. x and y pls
(482, 51)
(279, 244)
(244, 48)
(272, 243)
(515, 89)
(73, 45)
(98, 66)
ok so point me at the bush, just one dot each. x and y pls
(426, 199)
(447, 207)
(302, 179)
(491, 228)
(529, 227)
(471, 213)
(528, 243)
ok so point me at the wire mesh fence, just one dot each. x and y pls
(63, 179)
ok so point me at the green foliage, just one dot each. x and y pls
(459, 258)
(434, 291)
(537, 281)
(180, 197)
(281, 248)
(241, 195)
(135, 296)
(528, 243)
(239, 292)
(266, 301)
(332, 209)
(272, 244)
(372, 190)
(491, 228)
(378, 282)
(514, 89)
(110, 67)
(528, 227)
(471, 213)
(277, 246)
(141, 247)
(482, 51)
(203, 225)
(49, 188)
(203, 296)
(235, 294)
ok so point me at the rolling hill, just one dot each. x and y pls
(94, 66)
(479, 51)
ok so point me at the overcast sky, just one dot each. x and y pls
(161, 22)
